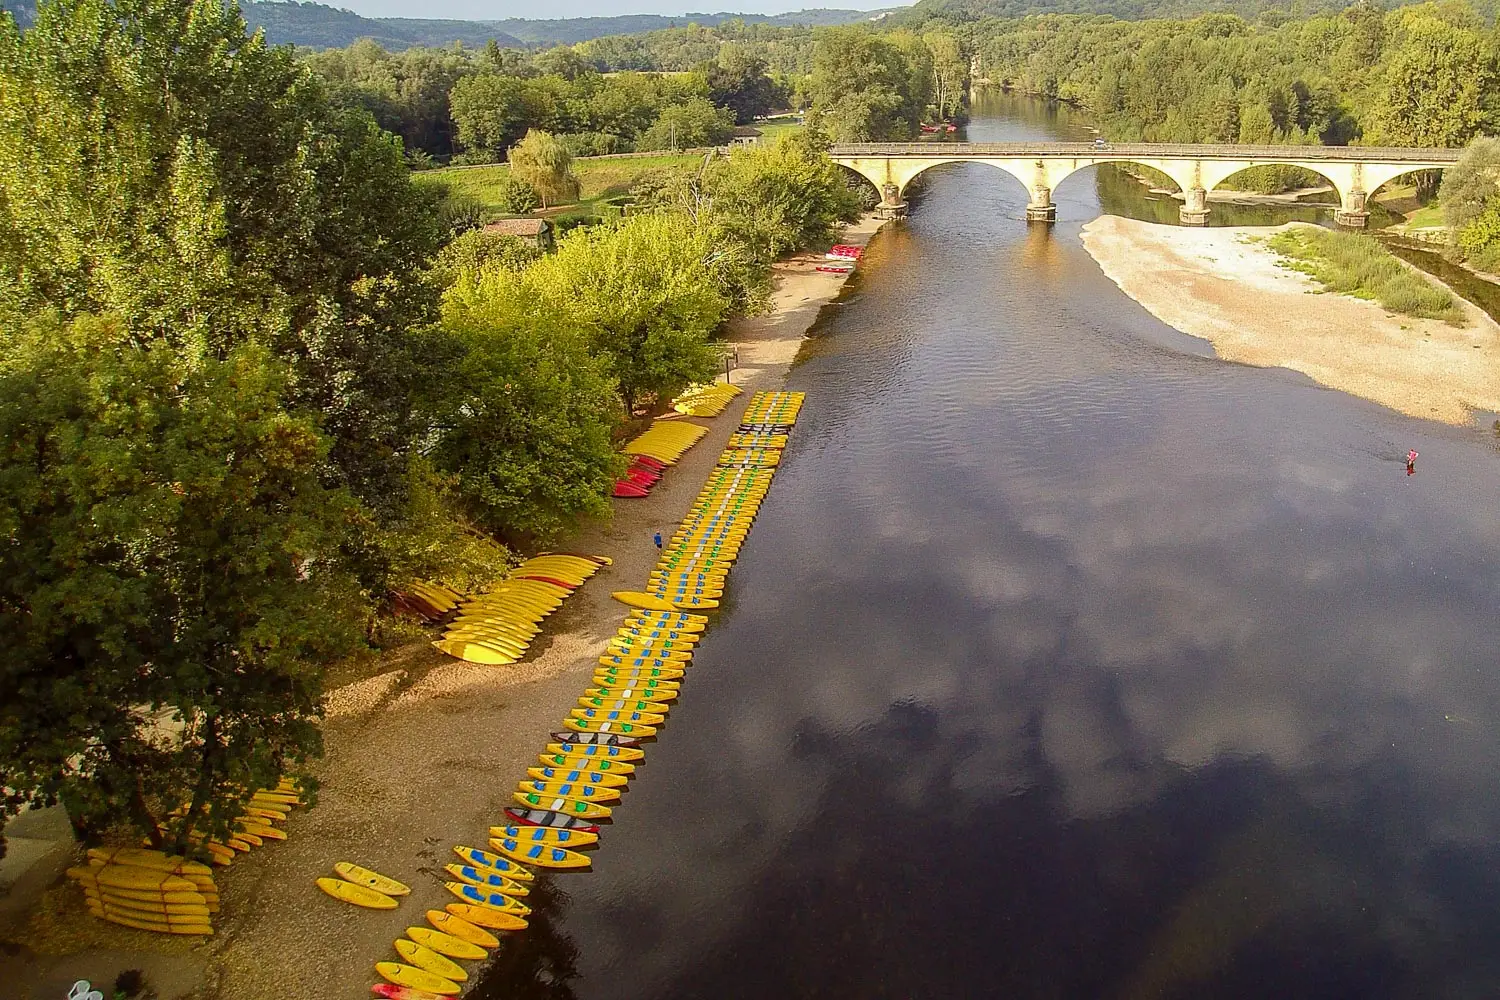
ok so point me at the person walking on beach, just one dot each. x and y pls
(657, 537)
(1411, 462)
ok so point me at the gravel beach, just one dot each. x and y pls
(1224, 285)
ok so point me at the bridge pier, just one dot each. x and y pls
(1194, 210)
(1352, 213)
(1040, 208)
(892, 204)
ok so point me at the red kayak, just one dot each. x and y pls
(552, 580)
(833, 270)
(628, 489)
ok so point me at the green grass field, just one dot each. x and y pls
(601, 178)
(1425, 217)
(1361, 267)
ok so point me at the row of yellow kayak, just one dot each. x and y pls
(498, 626)
(148, 890)
(706, 400)
(582, 776)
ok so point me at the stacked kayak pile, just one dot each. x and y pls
(659, 446)
(429, 600)
(706, 400)
(148, 890)
(499, 625)
(553, 820)
(841, 258)
(252, 828)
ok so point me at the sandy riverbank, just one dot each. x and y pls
(1220, 285)
(420, 756)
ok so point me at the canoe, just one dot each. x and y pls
(417, 979)
(544, 835)
(647, 651)
(596, 715)
(549, 818)
(425, 958)
(127, 920)
(579, 790)
(639, 662)
(448, 944)
(636, 624)
(639, 676)
(558, 803)
(488, 879)
(357, 894)
(577, 748)
(153, 909)
(630, 635)
(475, 896)
(485, 916)
(138, 857)
(456, 926)
(605, 766)
(583, 775)
(481, 859)
(579, 732)
(676, 619)
(542, 855)
(625, 705)
(622, 733)
(371, 880)
(660, 691)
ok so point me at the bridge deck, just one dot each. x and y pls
(1149, 150)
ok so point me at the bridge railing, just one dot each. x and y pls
(1150, 150)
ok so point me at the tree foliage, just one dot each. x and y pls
(545, 164)
(865, 86)
(170, 583)
(691, 125)
(638, 290)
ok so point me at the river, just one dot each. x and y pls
(1065, 661)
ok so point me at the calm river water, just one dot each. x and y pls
(1066, 661)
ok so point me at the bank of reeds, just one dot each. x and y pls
(1361, 267)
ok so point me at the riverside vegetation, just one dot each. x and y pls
(251, 382)
(1359, 266)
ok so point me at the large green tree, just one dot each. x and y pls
(160, 165)
(864, 86)
(1434, 82)
(638, 291)
(170, 581)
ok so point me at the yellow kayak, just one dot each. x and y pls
(661, 693)
(371, 880)
(474, 652)
(649, 652)
(681, 620)
(416, 979)
(456, 926)
(448, 944)
(627, 661)
(487, 916)
(639, 676)
(140, 879)
(638, 599)
(542, 855)
(482, 859)
(488, 879)
(425, 958)
(356, 894)
(547, 835)
(476, 896)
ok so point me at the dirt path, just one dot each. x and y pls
(1224, 286)
(424, 754)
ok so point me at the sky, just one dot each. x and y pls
(494, 10)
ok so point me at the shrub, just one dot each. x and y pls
(1361, 267)
(472, 158)
(461, 213)
(516, 197)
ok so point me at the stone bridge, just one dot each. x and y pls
(1356, 172)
